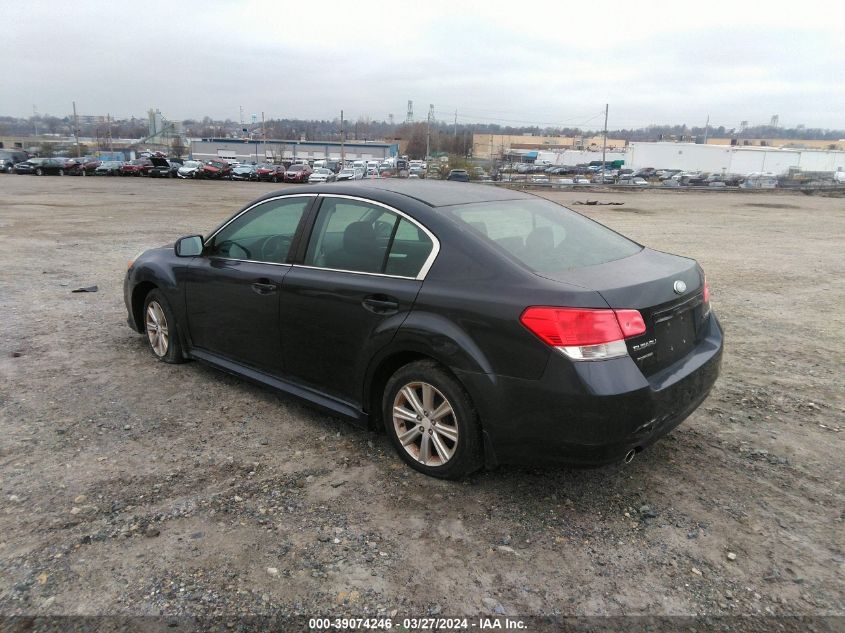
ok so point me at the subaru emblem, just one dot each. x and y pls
(680, 287)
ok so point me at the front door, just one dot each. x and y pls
(232, 291)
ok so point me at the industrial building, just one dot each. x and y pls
(791, 143)
(512, 146)
(245, 150)
(729, 159)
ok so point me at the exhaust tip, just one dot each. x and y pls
(630, 455)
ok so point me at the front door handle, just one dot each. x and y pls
(263, 286)
(381, 304)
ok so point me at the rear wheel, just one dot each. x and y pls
(39, 172)
(431, 421)
(160, 328)
(61, 172)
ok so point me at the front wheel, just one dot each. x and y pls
(39, 172)
(61, 172)
(430, 419)
(161, 330)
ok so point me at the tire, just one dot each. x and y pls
(450, 453)
(161, 330)
(39, 172)
(61, 172)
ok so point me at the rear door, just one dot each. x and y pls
(232, 290)
(359, 276)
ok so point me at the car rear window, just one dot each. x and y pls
(544, 236)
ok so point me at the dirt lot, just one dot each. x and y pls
(132, 487)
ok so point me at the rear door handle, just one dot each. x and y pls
(381, 304)
(263, 286)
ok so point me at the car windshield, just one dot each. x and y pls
(192, 163)
(544, 236)
(296, 167)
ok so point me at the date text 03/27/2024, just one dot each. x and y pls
(417, 624)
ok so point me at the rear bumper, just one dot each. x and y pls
(591, 413)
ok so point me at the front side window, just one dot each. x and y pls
(262, 234)
(544, 236)
(358, 236)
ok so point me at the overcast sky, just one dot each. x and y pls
(512, 63)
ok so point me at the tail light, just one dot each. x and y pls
(705, 296)
(584, 334)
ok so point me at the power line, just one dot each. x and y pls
(576, 123)
(464, 109)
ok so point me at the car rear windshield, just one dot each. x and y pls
(544, 236)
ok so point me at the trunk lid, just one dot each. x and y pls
(674, 313)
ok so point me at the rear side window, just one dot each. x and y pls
(357, 236)
(544, 236)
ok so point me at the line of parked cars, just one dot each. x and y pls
(157, 165)
(593, 174)
(85, 166)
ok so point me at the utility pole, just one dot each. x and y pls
(342, 153)
(35, 119)
(456, 124)
(706, 128)
(604, 141)
(76, 129)
(111, 142)
(428, 131)
(263, 138)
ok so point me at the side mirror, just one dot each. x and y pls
(190, 246)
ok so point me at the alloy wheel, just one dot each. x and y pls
(425, 424)
(157, 330)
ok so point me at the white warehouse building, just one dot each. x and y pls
(731, 159)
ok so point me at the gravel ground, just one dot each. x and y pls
(131, 487)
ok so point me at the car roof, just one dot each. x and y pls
(431, 193)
